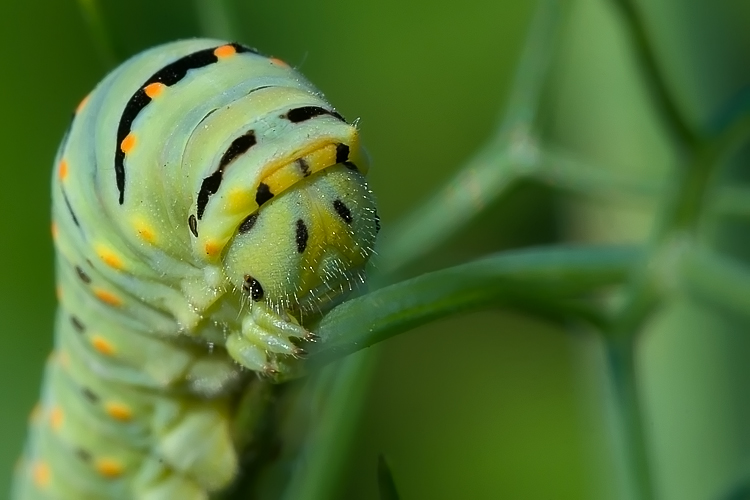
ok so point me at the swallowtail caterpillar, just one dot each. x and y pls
(205, 199)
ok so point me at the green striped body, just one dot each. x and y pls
(206, 199)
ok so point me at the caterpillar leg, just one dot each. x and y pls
(171, 487)
(199, 447)
(266, 336)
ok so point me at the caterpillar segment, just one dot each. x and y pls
(206, 200)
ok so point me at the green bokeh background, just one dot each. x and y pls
(493, 405)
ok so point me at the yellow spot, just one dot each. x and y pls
(224, 51)
(102, 345)
(56, 418)
(321, 158)
(212, 248)
(119, 411)
(63, 358)
(82, 104)
(278, 62)
(128, 143)
(108, 297)
(58, 293)
(62, 169)
(55, 231)
(41, 474)
(36, 412)
(144, 230)
(154, 89)
(109, 468)
(240, 201)
(109, 257)
(283, 178)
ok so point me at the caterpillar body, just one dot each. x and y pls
(205, 199)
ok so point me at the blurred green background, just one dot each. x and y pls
(493, 405)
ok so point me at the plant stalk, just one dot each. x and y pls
(621, 364)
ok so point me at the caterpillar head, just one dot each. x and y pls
(307, 245)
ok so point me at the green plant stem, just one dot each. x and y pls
(518, 278)
(683, 210)
(621, 364)
(318, 472)
(717, 280)
(689, 200)
(215, 18)
(487, 176)
(681, 215)
(386, 483)
(508, 154)
(661, 96)
(563, 170)
(92, 15)
(538, 279)
(433, 223)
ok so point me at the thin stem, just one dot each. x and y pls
(681, 214)
(717, 151)
(486, 176)
(563, 170)
(717, 280)
(685, 207)
(255, 434)
(215, 18)
(623, 376)
(386, 483)
(323, 460)
(533, 67)
(661, 96)
(538, 279)
(92, 15)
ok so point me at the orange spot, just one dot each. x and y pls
(109, 468)
(145, 231)
(36, 412)
(108, 297)
(55, 230)
(82, 104)
(109, 257)
(56, 418)
(119, 411)
(102, 345)
(146, 234)
(212, 248)
(278, 62)
(128, 143)
(224, 51)
(62, 169)
(154, 89)
(41, 474)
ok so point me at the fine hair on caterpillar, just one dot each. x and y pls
(207, 203)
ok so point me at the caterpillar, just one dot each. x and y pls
(206, 200)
